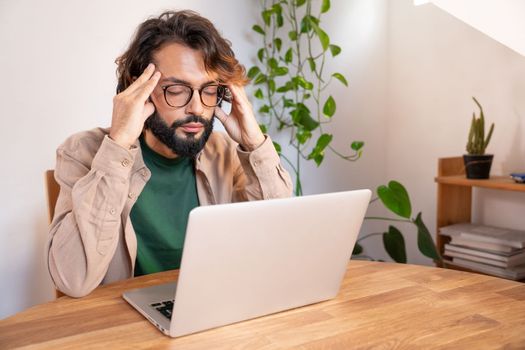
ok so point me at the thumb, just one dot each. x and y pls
(148, 110)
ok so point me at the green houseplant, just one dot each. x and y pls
(291, 80)
(477, 163)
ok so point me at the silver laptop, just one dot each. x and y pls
(250, 259)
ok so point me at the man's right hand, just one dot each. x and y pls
(132, 107)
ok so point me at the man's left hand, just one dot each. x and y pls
(241, 124)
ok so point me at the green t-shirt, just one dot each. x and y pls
(160, 215)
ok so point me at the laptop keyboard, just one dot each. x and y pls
(164, 307)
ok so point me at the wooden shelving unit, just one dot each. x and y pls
(454, 196)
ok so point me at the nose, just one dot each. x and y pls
(195, 106)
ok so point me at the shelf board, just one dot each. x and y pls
(495, 182)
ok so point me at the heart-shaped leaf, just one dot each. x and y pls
(264, 109)
(335, 50)
(395, 245)
(424, 240)
(253, 72)
(258, 29)
(323, 37)
(278, 43)
(325, 6)
(311, 62)
(395, 198)
(280, 71)
(301, 117)
(358, 249)
(317, 153)
(278, 147)
(341, 78)
(357, 145)
(288, 56)
(267, 16)
(329, 107)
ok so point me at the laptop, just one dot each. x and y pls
(245, 260)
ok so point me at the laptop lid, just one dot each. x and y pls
(249, 259)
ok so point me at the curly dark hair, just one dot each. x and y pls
(184, 27)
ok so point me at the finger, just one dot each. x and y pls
(238, 93)
(221, 115)
(143, 78)
(147, 88)
(149, 108)
(240, 102)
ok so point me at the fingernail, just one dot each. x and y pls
(150, 66)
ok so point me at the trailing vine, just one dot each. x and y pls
(291, 82)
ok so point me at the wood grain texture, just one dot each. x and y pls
(52, 191)
(495, 182)
(454, 198)
(380, 306)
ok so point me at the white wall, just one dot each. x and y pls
(411, 72)
(486, 15)
(436, 63)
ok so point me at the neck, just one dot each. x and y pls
(158, 146)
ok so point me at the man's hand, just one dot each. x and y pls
(241, 124)
(132, 107)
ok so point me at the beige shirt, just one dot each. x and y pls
(92, 240)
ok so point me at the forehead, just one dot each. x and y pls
(181, 62)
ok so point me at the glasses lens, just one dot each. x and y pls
(178, 95)
(211, 95)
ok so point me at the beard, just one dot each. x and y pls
(189, 145)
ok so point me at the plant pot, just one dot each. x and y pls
(478, 166)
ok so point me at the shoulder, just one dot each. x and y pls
(219, 147)
(83, 144)
(220, 141)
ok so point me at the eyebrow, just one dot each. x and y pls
(184, 82)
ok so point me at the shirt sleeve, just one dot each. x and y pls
(261, 174)
(84, 232)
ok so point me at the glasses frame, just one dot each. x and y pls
(220, 96)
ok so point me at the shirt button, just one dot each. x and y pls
(112, 211)
(131, 195)
(125, 163)
(143, 173)
(255, 163)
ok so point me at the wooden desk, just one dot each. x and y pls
(381, 305)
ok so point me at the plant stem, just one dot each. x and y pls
(387, 219)
(369, 235)
(299, 190)
(289, 162)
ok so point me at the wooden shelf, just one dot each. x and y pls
(495, 182)
(454, 197)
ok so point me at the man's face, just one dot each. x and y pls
(185, 129)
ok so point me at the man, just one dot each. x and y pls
(126, 191)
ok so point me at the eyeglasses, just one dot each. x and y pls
(179, 95)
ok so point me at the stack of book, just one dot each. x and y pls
(491, 250)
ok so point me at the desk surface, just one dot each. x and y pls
(380, 305)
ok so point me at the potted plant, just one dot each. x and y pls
(477, 163)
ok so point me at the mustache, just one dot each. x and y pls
(190, 119)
